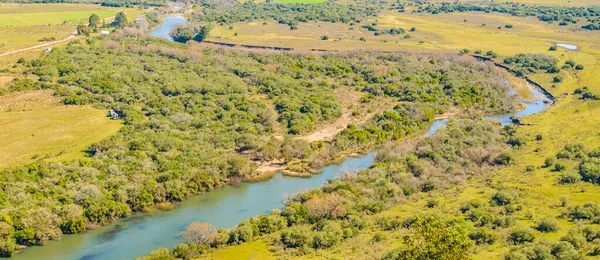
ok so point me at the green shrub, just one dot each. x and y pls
(569, 178)
(522, 235)
(297, 237)
(483, 236)
(548, 225)
(504, 197)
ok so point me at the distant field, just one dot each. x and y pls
(23, 25)
(299, 1)
(546, 2)
(34, 126)
(17, 37)
(53, 18)
(40, 14)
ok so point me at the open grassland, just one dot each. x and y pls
(299, 1)
(544, 2)
(44, 14)
(18, 37)
(34, 126)
(255, 250)
(26, 24)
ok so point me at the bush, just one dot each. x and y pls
(330, 235)
(579, 67)
(586, 211)
(548, 225)
(575, 237)
(297, 237)
(560, 166)
(504, 197)
(557, 79)
(549, 162)
(483, 236)
(569, 178)
(521, 236)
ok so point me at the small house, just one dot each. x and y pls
(114, 115)
(104, 33)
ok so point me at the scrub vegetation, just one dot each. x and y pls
(199, 118)
(194, 117)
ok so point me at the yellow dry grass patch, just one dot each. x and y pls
(33, 125)
(254, 250)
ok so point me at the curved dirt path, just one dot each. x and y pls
(71, 37)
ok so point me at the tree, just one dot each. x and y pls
(199, 233)
(83, 30)
(203, 33)
(120, 20)
(93, 22)
(433, 240)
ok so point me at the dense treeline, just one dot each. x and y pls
(111, 3)
(290, 14)
(562, 14)
(524, 64)
(349, 207)
(195, 117)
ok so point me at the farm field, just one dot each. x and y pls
(35, 126)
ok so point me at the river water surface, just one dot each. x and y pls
(166, 27)
(226, 207)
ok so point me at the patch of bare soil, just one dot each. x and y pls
(351, 103)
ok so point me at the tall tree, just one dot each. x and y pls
(433, 240)
(120, 20)
(93, 22)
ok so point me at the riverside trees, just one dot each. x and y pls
(195, 117)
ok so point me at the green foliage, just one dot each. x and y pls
(482, 236)
(504, 197)
(297, 237)
(521, 235)
(432, 239)
(290, 14)
(548, 225)
(120, 20)
(565, 14)
(585, 93)
(544, 250)
(586, 211)
(93, 22)
(525, 64)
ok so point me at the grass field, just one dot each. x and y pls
(23, 25)
(34, 126)
(299, 1)
(544, 2)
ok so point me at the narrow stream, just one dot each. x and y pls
(539, 103)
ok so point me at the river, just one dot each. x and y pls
(166, 27)
(226, 207)
(538, 103)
